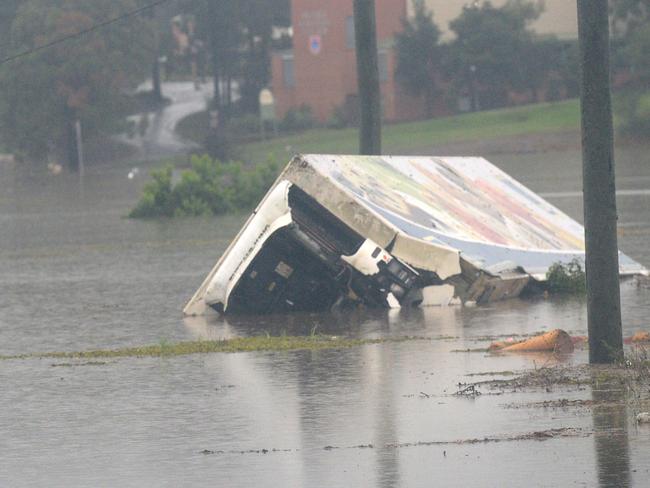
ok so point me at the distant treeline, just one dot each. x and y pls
(89, 78)
(494, 60)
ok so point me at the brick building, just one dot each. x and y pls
(320, 70)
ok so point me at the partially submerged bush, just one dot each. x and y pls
(210, 187)
(298, 120)
(567, 278)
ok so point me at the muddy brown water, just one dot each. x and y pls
(75, 275)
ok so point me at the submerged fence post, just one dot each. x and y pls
(368, 76)
(603, 287)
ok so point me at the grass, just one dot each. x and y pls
(240, 344)
(412, 136)
(644, 105)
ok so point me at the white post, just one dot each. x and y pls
(80, 151)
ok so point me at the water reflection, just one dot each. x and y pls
(74, 275)
(611, 440)
(386, 430)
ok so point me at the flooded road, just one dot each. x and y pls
(159, 138)
(76, 275)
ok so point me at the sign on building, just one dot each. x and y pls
(315, 44)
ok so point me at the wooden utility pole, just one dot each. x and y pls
(603, 287)
(368, 76)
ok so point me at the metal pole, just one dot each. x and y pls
(472, 87)
(80, 151)
(368, 76)
(156, 82)
(603, 287)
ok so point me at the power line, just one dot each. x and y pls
(82, 33)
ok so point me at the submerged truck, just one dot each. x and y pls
(338, 231)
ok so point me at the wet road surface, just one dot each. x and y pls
(75, 275)
(160, 139)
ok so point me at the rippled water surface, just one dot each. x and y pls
(76, 275)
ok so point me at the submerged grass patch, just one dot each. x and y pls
(72, 365)
(239, 344)
(631, 375)
(493, 373)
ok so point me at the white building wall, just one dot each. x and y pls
(559, 18)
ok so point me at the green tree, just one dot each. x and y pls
(547, 60)
(8, 10)
(218, 24)
(628, 15)
(257, 23)
(84, 79)
(239, 39)
(418, 55)
(162, 43)
(492, 48)
(631, 21)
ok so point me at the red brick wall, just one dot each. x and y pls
(323, 80)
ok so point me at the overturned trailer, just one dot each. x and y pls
(339, 231)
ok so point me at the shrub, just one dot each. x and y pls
(248, 124)
(342, 117)
(157, 196)
(567, 278)
(209, 187)
(297, 120)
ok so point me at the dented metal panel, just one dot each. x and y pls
(466, 204)
(337, 200)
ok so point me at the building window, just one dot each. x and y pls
(382, 61)
(288, 72)
(349, 33)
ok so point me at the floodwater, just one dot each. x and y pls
(76, 275)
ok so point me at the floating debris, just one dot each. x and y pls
(135, 171)
(557, 341)
(467, 390)
(561, 403)
(54, 168)
(542, 435)
(643, 418)
(639, 337)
